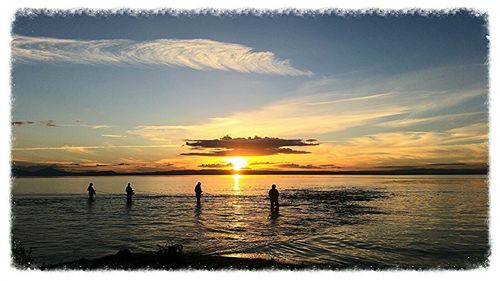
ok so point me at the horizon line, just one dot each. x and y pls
(408, 171)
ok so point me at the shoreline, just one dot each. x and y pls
(127, 260)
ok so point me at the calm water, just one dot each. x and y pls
(422, 221)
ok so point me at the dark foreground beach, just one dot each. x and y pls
(172, 258)
(127, 260)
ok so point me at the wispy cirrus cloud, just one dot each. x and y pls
(96, 126)
(270, 120)
(199, 54)
(336, 108)
(406, 122)
(113, 136)
(86, 148)
(53, 123)
(467, 144)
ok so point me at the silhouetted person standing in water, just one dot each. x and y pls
(273, 196)
(198, 192)
(129, 192)
(91, 191)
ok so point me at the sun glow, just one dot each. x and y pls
(237, 162)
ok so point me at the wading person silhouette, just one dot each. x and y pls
(129, 192)
(273, 196)
(198, 192)
(91, 191)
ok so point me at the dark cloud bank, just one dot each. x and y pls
(48, 123)
(256, 146)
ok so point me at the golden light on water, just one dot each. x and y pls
(237, 162)
(236, 179)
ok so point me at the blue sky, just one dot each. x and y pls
(132, 89)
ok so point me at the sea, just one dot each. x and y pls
(416, 221)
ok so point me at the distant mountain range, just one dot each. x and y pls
(18, 171)
(53, 172)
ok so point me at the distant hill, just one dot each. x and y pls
(42, 172)
(54, 172)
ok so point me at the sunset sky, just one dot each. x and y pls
(284, 92)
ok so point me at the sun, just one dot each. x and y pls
(237, 162)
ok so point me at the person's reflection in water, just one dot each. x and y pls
(128, 218)
(197, 212)
(198, 222)
(128, 208)
(274, 215)
(91, 216)
(90, 205)
(274, 218)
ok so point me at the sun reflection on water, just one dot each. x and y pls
(236, 185)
